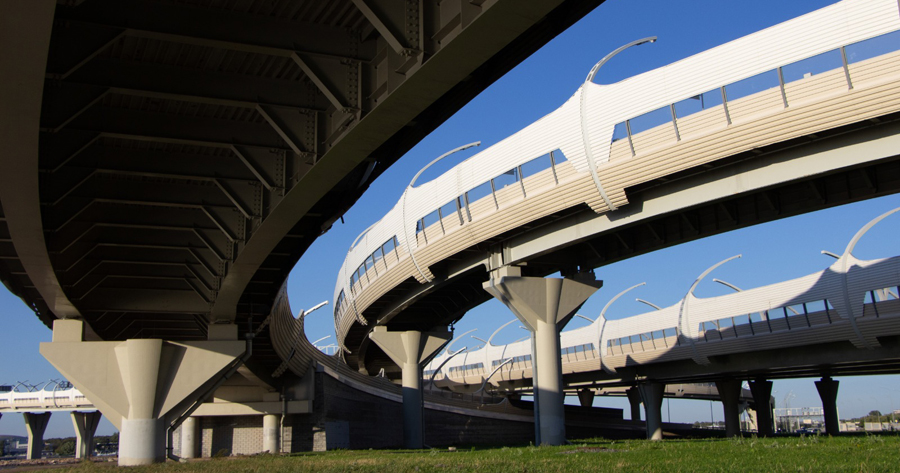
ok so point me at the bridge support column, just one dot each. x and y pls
(586, 397)
(634, 400)
(410, 350)
(752, 419)
(652, 395)
(190, 438)
(762, 395)
(545, 306)
(271, 423)
(730, 394)
(35, 424)
(143, 385)
(85, 427)
(828, 390)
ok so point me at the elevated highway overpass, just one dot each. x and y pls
(207, 251)
(532, 200)
(39, 402)
(787, 120)
(167, 163)
(789, 329)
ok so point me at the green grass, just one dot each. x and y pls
(814, 453)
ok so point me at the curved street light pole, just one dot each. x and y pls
(648, 303)
(590, 76)
(737, 289)
(455, 339)
(585, 136)
(412, 183)
(484, 383)
(438, 369)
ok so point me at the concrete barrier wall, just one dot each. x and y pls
(346, 417)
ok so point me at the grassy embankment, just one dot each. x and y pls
(814, 453)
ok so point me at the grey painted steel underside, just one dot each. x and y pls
(167, 164)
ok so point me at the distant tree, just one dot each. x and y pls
(66, 447)
(876, 413)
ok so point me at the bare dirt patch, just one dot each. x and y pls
(13, 466)
(589, 450)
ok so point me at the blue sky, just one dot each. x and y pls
(771, 252)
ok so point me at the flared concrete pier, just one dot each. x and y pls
(410, 350)
(544, 306)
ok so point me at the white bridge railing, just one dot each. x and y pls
(835, 304)
(52, 396)
(813, 73)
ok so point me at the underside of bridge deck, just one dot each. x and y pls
(168, 162)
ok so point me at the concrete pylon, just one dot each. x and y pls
(586, 397)
(85, 426)
(410, 350)
(730, 394)
(271, 423)
(762, 395)
(753, 419)
(35, 424)
(634, 400)
(652, 396)
(141, 385)
(544, 306)
(190, 438)
(828, 390)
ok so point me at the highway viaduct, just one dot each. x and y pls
(538, 203)
(162, 180)
(168, 163)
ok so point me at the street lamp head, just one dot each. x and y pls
(304, 313)
(590, 76)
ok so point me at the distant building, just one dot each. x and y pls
(849, 427)
(14, 445)
(882, 426)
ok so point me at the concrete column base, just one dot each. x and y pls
(142, 442)
(85, 427)
(271, 437)
(762, 395)
(634, 400)
(753, 419)
(544, 306)
(586, 397)
(410, 349)
(190, 438)
(35, 424)
(730, 394)
(828, 390)
(652, 396)
(141, 385)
